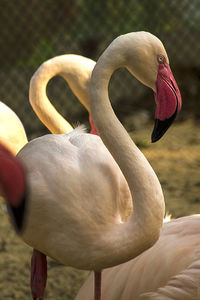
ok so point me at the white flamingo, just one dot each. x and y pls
(74, 215)
(168, 270)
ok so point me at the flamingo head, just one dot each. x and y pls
(13, 186)
(147, 60)
(167, 98)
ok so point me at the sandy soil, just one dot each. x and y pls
(176, 160)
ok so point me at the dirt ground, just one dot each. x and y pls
(175, 159)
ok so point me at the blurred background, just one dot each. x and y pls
(36, 31)
(33, 33)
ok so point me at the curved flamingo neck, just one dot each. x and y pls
(76, 70)
(143, 228)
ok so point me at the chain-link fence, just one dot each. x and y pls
(32, 32)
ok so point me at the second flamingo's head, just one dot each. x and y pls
(13, 187)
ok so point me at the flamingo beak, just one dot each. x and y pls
(168, 101)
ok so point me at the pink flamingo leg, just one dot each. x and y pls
(97, 285)
(38, 274)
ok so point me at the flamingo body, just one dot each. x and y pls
(67, 203)
(168, 270)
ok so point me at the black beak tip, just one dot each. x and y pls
(159, 129)
(155, 138)
(161, 126)
(157, 133)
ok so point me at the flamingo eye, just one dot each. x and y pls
(161, 59)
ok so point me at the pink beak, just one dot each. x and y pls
(168, 101)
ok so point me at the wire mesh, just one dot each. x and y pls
(36, 31)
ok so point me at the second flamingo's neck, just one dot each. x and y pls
(76, 70)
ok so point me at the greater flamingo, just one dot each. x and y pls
(168, 270)
(74, 214)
